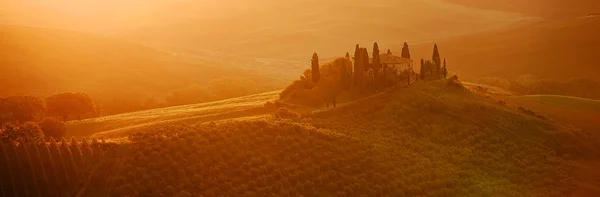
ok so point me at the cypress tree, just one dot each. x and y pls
(405, 51)
(347, 55)
(376, 66)
(436, 59)
(365, 59)
(315, 68)
(389, 52)
(358, 67)
(422, 72)
(445, 69)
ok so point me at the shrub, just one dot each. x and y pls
(53, 127)
(454, 82)
(285, 113)
(31, 131)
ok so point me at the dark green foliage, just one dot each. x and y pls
(315, 68)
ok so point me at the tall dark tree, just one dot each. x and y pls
(316, 74)
(405, 51)
(389, 52)
(445, 69)
(422, 72)
(365, 59)
(376, 65)
(358, 67)
(376, 60)
(437, 61)
(347, 55)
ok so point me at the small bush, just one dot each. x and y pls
(501, 102)
(285, 113)
(530, 112)
(53, 127)
(454, 82)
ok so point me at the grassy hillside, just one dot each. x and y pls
(121, 125)
(43, 61)
(558, 50)
(551, 9)
(425, 140)
(573, 111)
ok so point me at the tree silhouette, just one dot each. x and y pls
(436, 59)
(53, 128)
(69, 103)
(445, 69)
(422, 72)
(365, 59)
(389, 52)
(376, 66)
(315, 68)
(20, 109)
(405, 51)
(347, 55)
(358, 67)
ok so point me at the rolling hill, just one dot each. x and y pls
(549, 9)
(427, 139)
(548, 49)
(121, 125)
(43, 61)
(290, 30)
(572, 111)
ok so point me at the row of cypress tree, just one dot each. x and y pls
(379, 76)
(432, 69)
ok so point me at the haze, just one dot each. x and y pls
(299, 98)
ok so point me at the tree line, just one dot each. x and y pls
(346, 78)
(33, 118)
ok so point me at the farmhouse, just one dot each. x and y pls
(394, 62)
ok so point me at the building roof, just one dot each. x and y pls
(392, 59)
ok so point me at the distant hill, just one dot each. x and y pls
(550, 9)
(560, 50)
(262, 28)
(43, 61)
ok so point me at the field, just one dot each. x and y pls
(570, 111)
(121, 125)
(427, 139)
(199, 82)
